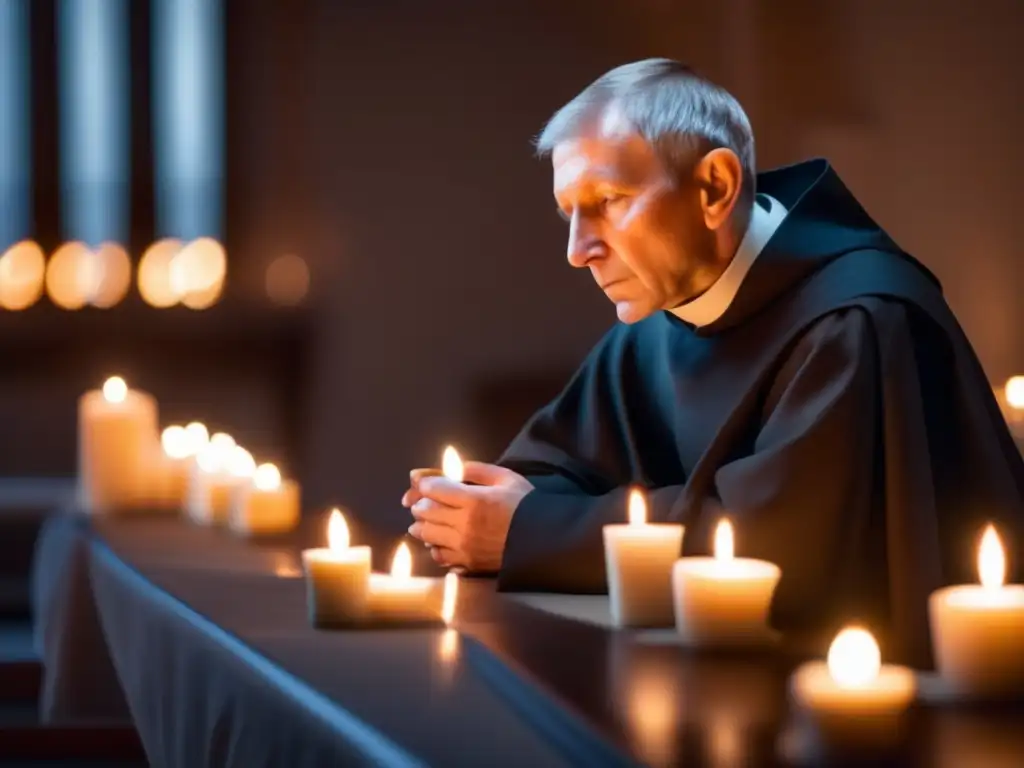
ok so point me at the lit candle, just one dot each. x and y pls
(400, 597)
(337, 577)
(638, 560)
(854, 703)
(1011, 402)
(265, 506)
(977, 630)
(167, 484)
(219, 469)
(723, 600)
(451, 467)
(117, 430)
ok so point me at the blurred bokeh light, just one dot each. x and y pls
(68, 278)
(22, 275)
(154, 277)
(287, 280)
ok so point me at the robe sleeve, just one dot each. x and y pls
(802, 488)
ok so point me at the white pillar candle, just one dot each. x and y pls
(854, 704)
(219, 469)
(723, 600)
(337, 577)
(400, 597)
(978, 630)
(639, 557)
(265, 506)
(117, 430)
(167, 476)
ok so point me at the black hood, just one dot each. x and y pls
(825, 221)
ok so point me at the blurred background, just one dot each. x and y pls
(317, 224)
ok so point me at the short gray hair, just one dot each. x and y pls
(678, 112)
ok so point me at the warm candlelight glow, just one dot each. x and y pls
(854, 658)
(223, 441)
(176, 442)
(724, 541)
(451, 465)
(115, 390)
(451, 596)
(401, 565)
(991, 560)
(210, 458)
(240, 462)
(267, 477)
(637, 508)
(198, 435)
(1014, 392)
(338, 536)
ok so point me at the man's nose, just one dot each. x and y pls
(584, 244)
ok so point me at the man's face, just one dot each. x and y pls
(641, 233)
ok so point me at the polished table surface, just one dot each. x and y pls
(596, 695)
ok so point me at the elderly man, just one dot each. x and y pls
(779, 360)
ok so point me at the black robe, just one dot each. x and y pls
(836, 412)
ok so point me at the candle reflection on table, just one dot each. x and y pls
(448, 644)
(989, 738)
(718, 711)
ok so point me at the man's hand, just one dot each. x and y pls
(466, 525)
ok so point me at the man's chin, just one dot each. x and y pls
(630, 312)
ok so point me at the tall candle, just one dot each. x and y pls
(337, 577)
(265, 506)
(978, 630)
(400, 597)
(167, 481)
(117, 429)
(638, 561)
(723, 600)
(854, 703)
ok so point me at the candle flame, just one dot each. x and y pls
(451, 465)
(401, 564)
(724, 540)
(451, 595)
(223, 441)
(175, 442)
(267, 477)
(1014, 392)
(338, 537)
(854, 658)
(198, 436)
(240, 462)
(637, 507)
(210, 458)
(115, 390)
(991, 559)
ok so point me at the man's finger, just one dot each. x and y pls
(445, 556)
(435, 534)
(482, 473)
(447, 492)
(429, 511)
(415, 475)
(410, 497)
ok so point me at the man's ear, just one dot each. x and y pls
(719, 176)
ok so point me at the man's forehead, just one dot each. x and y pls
(625, 158)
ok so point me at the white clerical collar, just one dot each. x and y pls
(711, 304)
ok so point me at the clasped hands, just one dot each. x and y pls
(465, 525)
